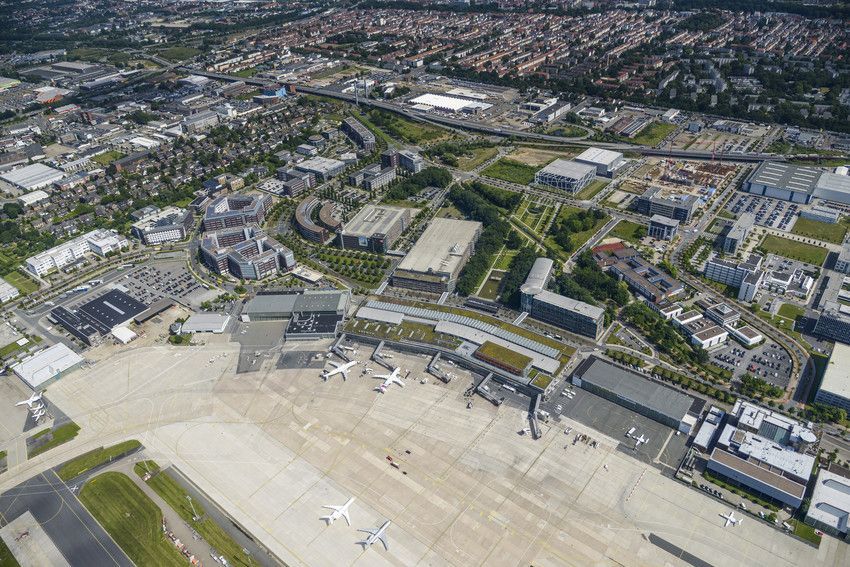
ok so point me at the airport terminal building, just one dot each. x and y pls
(760, 450)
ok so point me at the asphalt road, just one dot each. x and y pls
(73, 530)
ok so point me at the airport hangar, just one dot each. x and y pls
(43, 367)
(311, 314)
(655, 401)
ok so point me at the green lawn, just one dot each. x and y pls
(592, 189)
(24, 283)
(59, 435)
(6, 557)
(107, 157)
(178, 53)
(628, 231)
(176, 497)
(503, 262)
(131, 518)
(92, 459)
(479, 156)
(490, 289)
(511, 171)
(806, 532)
(794, 250)
(653, 134)
(820, 230)
(791, 311)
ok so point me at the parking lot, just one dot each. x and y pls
(771, 213)
(767, 361)
(615, 421)
(151, 282)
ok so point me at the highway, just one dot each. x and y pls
(488, 129)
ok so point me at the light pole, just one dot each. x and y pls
(194, 514)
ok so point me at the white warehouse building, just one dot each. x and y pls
(606, 162)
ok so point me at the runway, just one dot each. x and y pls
(71, 528)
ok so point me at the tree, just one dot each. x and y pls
(514, 240)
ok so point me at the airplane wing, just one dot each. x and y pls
(383, 538)
(345, 374)
(334, 364)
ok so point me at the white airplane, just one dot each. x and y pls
(39, 407)
(731, 519)
(376, 534)
(36, 416)
(338, 512)
(389, 380)
(640, 440)
(338, 369)
(348, 348)
(36, 396)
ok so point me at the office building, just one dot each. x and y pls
(435, 261)
(842, 263)
(660, 201)
(732, 273)
(750, 286)
(633, 391)
(834, 318)
(359, 134)
(835, 386)
(245, 253)
(100, 242)
(821, 214)
(378, 179)
(662, 228)
(8, 292)
(375, 228)
(168, 225)
(411, 161)
(783, 181)
(389, 158)
(642, 277)
(563, 312)
(829, 509)
(324, 230)
(236, 210)
(322, 168)
(606, 162)
(737, 233)
(200, 121)
(564, 174)
(764, 452)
